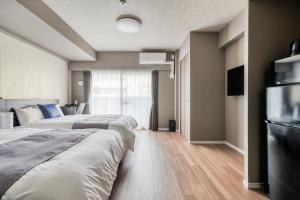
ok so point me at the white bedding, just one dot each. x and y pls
(85, 171)
(124, 125)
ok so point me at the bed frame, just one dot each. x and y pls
(7, 105)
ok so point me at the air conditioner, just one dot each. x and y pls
(153, 58)
(147, 58)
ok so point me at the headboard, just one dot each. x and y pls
(6, 105)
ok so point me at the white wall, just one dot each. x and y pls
(233, 30)
(184, 48)
(29, 72)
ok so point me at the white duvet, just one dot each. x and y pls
(85, 171)
(124, 125)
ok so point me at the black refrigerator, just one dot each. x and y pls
(283, 142)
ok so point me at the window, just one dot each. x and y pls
(122, 92)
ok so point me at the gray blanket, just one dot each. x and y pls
(20, 156)
(96, 121)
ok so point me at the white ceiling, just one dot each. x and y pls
(166, 23)
(16, 19)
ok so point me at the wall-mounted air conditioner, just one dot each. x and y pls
(153, 58)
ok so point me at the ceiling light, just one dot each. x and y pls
(129, 24)
(123, 2)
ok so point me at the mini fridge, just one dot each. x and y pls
(283, 142)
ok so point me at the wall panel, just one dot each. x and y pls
(29, 72)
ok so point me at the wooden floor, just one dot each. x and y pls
(165, 167)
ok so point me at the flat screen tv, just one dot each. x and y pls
(235, 81)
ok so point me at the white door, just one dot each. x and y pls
(182, 112)
(185, 97)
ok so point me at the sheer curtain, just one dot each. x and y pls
(122, 92)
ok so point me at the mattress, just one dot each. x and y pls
(86, 171)
(122, 123)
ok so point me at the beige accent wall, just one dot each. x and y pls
(207, 78)
(115, 60)
(231, 40)
(166, 98)
(206, 95)
(77, 92)
(234, 105)
(128, 60)
(272, 26)
(29, 72)
(166, 95)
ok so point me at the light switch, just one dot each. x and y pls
(80, 83)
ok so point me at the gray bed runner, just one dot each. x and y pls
(96, 121)
(20, 156)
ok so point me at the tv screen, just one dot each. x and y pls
(235, 81)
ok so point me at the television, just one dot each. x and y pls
(235, 81)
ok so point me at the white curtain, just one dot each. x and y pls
(122, 92)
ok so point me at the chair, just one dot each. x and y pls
(80, 108)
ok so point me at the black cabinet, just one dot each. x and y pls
(283, 181)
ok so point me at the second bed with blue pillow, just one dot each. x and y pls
(50, 111)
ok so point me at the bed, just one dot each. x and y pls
(78, 166)
(120, 123)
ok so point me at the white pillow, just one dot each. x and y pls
(29, 114)
(59, 110)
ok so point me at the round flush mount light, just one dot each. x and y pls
(129, 24)
(123, 3)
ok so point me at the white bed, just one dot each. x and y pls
(86, 171)
(67, 121)
(123, 124)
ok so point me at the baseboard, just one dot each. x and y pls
(253, 185)
(218, 142)
(163, 129)
(234, 147)
(167, 129)
(206, 142)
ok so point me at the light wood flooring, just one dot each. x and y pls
(165, 167)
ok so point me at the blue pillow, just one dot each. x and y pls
(49, 111)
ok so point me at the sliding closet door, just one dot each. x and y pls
(182, 112)
(187, 90)
(185, 97)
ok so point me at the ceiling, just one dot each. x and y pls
(166, 23)
(16, 19)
